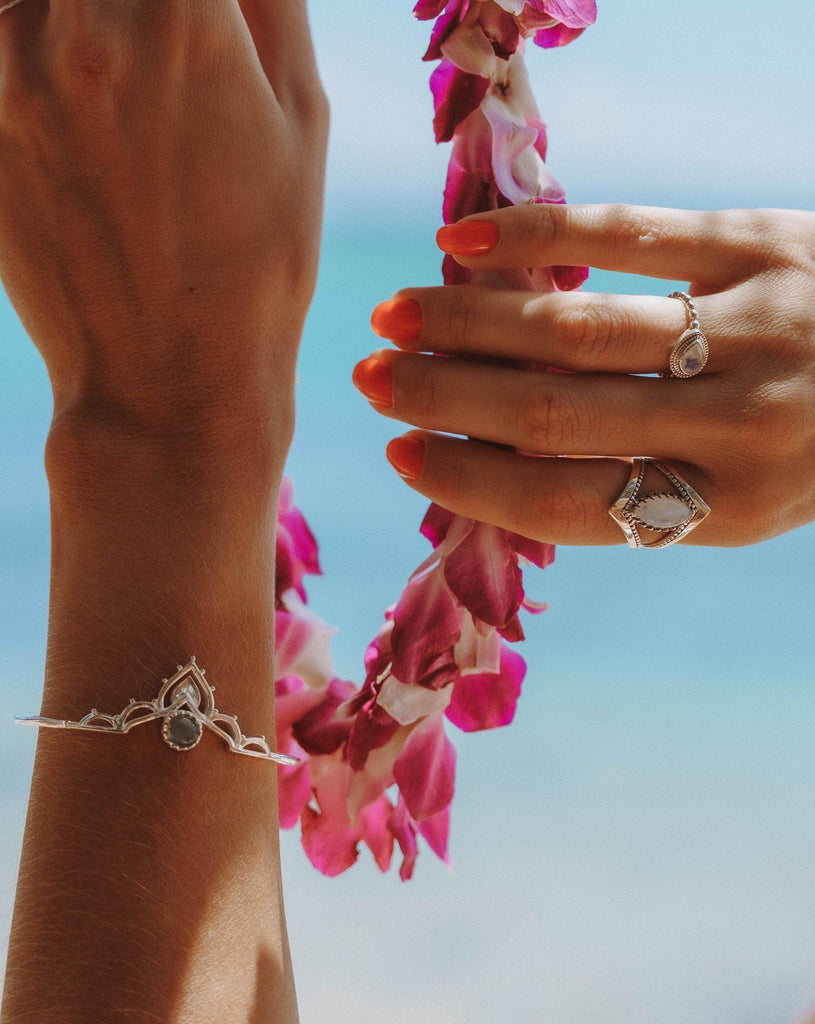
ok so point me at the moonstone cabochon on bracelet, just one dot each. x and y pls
(674, 513)
(186, 706)
(689, 354)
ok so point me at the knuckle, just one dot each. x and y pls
(556, 513)
(543, 226)
(631, 229)
(457, 317)
(545, 421)
(424, 392)
(589, 329)
(94, 64)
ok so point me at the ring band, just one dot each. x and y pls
(186, 706)
(689, 354)
(674, 514)
(8, 6)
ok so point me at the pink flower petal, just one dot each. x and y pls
(427, 9)
(425, 770)
(427, 623)
(574, 13)
(329, 838)
(293, 794)
(488, 701)
(560, 35)
(296, 548)
(536, 551)
(403, 829)
(483, 573)
(326, 727)
(436, 523)
(375, 832)
(302, 642)
(436, 831)
(470, 50)
(456, 95)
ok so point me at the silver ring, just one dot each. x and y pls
(186, 706)
(674, 513)
(689, 354)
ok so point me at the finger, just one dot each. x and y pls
(577, 331)
(543, 413)
(708, 248)
(558, 501)
(282, 38)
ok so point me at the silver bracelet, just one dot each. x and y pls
(186, 705)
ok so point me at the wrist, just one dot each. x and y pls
(96, 451)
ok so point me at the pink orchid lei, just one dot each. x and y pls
(442, 651)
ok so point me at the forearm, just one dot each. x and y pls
(149, 886)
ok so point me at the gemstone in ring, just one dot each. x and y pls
(672, 513)
(689, 354)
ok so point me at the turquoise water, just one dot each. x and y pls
(637, 845)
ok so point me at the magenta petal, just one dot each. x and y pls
(326, 727)
(436, 831)
(566, 279)
(373, 728)
(536, 551)
(427, 9)
(488, 700)
(441, 31)
(376, 834)
(501, 29)
(558, 35)
(296, 548)
(456, 95)
(436, 524)
(293, 793)
(454, 273)
(513, 631)
(426, 768)
(483, 573)
(292, 705)
(427, 623)
(575, 14)
(329, 838)
(404, 831)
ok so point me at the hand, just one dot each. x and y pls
(742, 433)
(161, 172)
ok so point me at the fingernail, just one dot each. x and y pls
(374, 379)
(406, 455)
(470, 238)
(398, 320)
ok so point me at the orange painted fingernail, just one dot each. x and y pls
(470, 238)
(398, 320)
(374, 379)
(406, 455)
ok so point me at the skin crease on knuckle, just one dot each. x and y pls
(546, 421)
(590, 330)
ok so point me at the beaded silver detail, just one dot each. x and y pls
(690, 353)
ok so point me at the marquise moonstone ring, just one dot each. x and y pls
(673, 513)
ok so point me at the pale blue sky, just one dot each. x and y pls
(700, 104)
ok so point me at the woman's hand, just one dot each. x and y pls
(161, 171)
(742, 432)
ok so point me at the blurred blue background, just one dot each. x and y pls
(638, 847)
